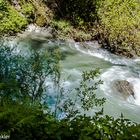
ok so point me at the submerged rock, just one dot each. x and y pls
(124, 88)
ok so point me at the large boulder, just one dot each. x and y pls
(124, 88)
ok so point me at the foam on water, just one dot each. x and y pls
(114, 68)
(33, 28)
(136, 84)
(95, 50)
(121, 73)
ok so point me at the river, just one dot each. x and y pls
(79, 57)
(112, 68)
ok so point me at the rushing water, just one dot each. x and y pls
(88, 55)
(113, 68)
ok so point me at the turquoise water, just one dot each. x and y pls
(77, 57)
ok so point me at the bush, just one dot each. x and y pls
(27, 9)
(11, 21)
(120, 25)
(23, 78)
(65, 30)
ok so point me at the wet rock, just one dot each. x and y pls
(37, 33)
(84, 45)
(93, 45)
(124, 88)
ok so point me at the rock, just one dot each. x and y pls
(84, 45)
(92, 45)
(124, 88)
(37, 33)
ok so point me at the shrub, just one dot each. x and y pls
(120, 24)
(27, 9)
(11, 21)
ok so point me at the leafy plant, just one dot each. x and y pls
(120, 24)
(11, 21)
(27, 9)
(85, 96)
(24, 78)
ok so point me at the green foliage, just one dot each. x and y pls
(27, 9)
(62, 26)
(2, 5)
(41, 126)
(24, 78)
(14, 18)
(65, 30)
(84, 95)
(120, 24)
(14, 114)
(22, 89)
(11, 21)
(82, 35)
(42, 13)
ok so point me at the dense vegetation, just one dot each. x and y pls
(24, 98)
(10, 19)
(120, 25)
(114, 23)
(25, 111)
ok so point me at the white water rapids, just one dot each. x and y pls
(113, 68)
(88, 55)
